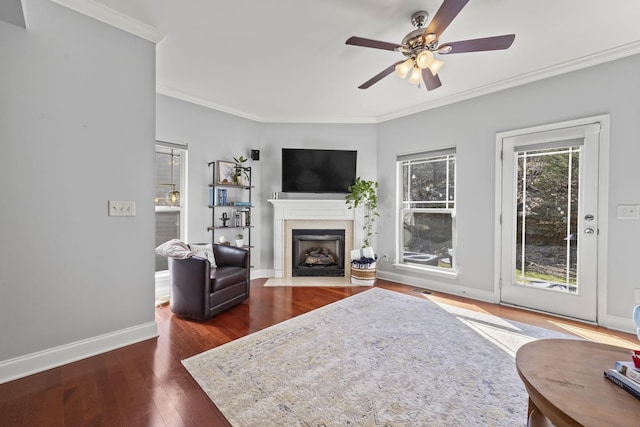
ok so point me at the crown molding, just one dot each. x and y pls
(184, 96)
(113, 18)
(563, 68)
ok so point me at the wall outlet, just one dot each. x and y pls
(628, 212)
(637, 295)
(122, 208)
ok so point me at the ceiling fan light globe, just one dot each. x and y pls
(435, 66)
(416, 76)
(429, 38)
(424, 59)
(403, 68)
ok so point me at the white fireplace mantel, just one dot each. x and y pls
(313, 210)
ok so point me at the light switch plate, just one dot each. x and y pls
(628, 212)
(122, 208)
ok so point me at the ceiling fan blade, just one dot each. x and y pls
(431, 82)
(382, 74)
(477, 45)
(443, 17)
(359, 41)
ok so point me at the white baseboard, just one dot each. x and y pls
(261, 274)
(33, 363)
(622, 324)
(162, 285)
(435, 285)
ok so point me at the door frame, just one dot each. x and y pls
(603, 204)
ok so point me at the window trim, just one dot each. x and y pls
(182, 209)
(447, 273)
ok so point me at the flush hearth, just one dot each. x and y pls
(318, 252)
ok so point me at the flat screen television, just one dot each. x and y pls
(318, 171)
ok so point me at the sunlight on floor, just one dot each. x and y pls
(596, 336)
(502, 333)
(510, 337)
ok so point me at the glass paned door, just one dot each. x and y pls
(547, 218)
(549, 226)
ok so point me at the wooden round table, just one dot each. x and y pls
(565, 381)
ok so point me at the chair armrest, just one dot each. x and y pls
(230, 256)
(190, 286)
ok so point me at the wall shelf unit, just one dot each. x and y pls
(231, 206)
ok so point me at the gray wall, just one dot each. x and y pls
(77, 126)
(212, 135)
(274, 137)
(472, 125)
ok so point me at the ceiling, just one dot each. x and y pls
(287, 61)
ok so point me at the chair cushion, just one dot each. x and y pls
(223, 277)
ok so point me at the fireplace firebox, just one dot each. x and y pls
(317, 253)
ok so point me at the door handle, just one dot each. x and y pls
(588, 217)
(588, 231)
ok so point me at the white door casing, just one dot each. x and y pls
(585, 300)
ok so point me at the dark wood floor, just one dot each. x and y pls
(145, 384)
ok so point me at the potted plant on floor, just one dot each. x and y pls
(363, 194)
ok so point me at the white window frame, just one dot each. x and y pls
(402, 209)
(182, 209)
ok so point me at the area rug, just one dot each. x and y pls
(377, 358)
(309, 281)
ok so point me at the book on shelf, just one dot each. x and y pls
(629, 370)
(211, 197)
(222, 197)
(623, 382)
(247, 204)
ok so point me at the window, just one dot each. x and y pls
(427, 209)
(169, 199)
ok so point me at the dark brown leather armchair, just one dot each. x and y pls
(200, 292)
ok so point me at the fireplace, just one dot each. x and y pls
(305, 214)
(317, 252)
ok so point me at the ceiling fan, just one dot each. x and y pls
(419, 46)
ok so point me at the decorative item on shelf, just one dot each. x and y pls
(363, 262)
(239, 240)
(240, 171)
(225, 172)
(224, 218)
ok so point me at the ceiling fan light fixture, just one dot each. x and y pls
(424, 59)
(429, 38)
(435, 66)
(415, 76)
(403, 68)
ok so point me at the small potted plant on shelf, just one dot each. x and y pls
(239, 240)
(240, 171)
(363, 194)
